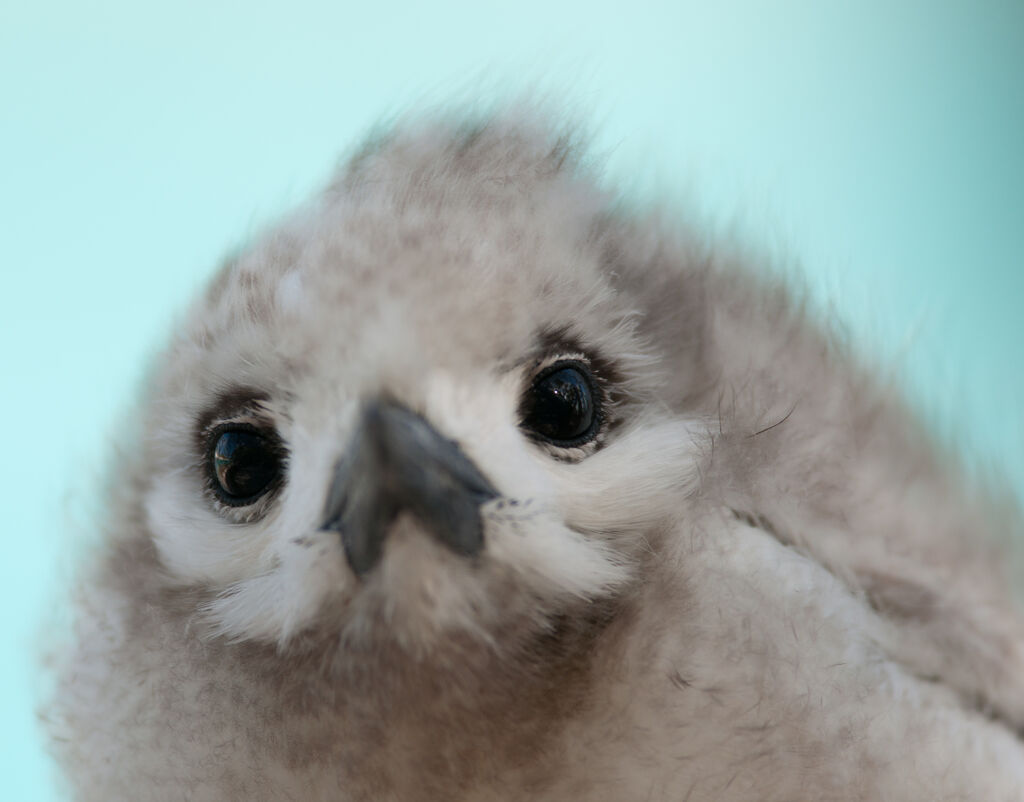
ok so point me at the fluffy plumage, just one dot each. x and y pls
(756, 581)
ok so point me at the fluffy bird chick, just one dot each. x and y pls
(463, 484)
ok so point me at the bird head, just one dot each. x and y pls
(430, 408)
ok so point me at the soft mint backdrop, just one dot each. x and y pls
(877, 145)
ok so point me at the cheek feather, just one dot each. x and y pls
(634, 483)
(284, 601)
(553, 560)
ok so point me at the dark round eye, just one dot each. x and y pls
(244, 465)
(560, 406)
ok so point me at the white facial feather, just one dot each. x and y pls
(706, 556)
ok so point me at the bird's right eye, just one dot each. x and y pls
(244, 465)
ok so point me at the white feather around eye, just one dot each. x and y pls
(198, 545)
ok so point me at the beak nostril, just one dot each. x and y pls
(395, 462)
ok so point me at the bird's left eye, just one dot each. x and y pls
(243, 464)
(560, 407)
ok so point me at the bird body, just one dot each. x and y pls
(464, 484)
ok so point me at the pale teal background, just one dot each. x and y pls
(876, 144)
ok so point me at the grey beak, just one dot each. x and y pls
(397, 462)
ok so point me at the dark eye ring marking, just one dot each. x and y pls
(243, 463)
(562, 405)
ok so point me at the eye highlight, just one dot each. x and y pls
(244, 464)
(561, 407)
